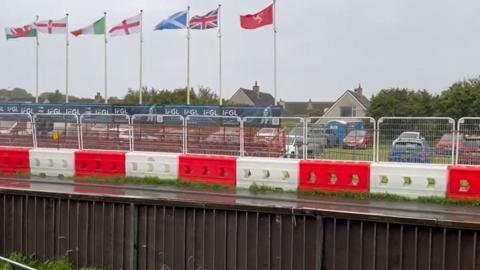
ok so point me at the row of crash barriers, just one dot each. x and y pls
(390, 139)
(407, 179)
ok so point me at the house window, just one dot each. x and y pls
(348, 111)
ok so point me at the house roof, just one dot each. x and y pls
(361, 98)
(305, 108)
(261, 98)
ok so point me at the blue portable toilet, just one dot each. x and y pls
(340, 129)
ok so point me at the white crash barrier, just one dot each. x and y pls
(146, 164)
(276, 173)
(52, 162)
(409, 180)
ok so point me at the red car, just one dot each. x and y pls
(446, 144)
(469, 151)
(361, 139)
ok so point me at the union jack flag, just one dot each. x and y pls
(208, 21)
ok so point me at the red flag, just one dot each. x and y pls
(254, 21)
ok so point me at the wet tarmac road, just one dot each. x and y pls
(404, 212)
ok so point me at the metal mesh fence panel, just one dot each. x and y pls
(217, 135)
(105, 131)
(274, 137)
(345, 138)
(468, 141)
(65, 126)
(157, 133)
(416, 140)
(16, 129)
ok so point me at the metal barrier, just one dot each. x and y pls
(416, 140)
(345, 138)
(16, 129)
(274, 137)
(468, 141)
(413, 140)
(57, 130)
(105, 132)
(218, 135)
(158, 133)
(16, 264)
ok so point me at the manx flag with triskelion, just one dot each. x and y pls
(257, 20)
(97, 28)
(20, 32)
(207, 21)
(52, 26)
(127, 27)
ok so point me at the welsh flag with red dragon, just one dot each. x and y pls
(20, 32)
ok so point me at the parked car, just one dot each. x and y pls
(408, 135)
(322, 136)
(316, 143)
(361, 139)
(268, 133)
(410, 150)
(294, 147)
(339, 129)
(469, 151)
(447, 144)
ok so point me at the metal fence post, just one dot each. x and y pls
(81, 131)
(185, 135)
(34, 130)
(242, 138)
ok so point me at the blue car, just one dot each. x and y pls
(410, 150)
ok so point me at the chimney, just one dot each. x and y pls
(309, 105)
(98, 98)
(256, 89)
(359, 90)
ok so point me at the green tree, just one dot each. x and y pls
(53, 97)
(460, 100)
(204, 96)
(402, 103)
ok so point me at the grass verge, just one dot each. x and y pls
(262, 189)
(55, 264)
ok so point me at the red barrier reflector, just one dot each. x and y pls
(221, 170)
(14, 160)
(332, 176)
(99, 164)
(464, 182)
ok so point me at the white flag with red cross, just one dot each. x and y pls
(128, 26)
(52, 26)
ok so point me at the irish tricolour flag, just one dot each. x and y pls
(97, 28)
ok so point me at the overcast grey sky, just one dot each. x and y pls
(324, 46)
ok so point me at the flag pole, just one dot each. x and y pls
(220, 86)
(105, 54)
(188, 55)
(274, 53)
(141, 58)
(36, 62)
(66, 63)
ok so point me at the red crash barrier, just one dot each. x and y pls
(99, 163)
(463, 182)
(333, 176)
(219, 170)
(14, 160)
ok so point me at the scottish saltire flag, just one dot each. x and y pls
(176, 21)
(207, 21)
